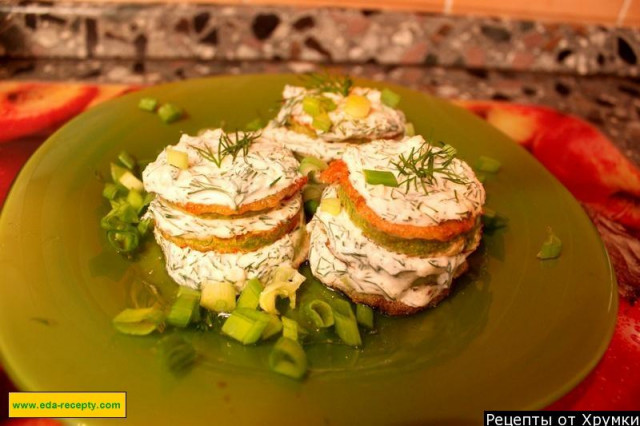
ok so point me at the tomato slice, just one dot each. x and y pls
(28, 108)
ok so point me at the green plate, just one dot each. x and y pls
(517, 333)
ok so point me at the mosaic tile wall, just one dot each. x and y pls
(245, 33)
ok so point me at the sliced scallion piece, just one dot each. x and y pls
(288, 358)
(123, 241)
(551, 247)
(144, 226)
(110, 191)
(320, 313)
(285, 282)
(250, 295)
(345, 323)
(169, 113)
(311, 105)
(246, 325)
(129, 181)
(487, 164)
(380, 177)
(322, 122)
(184, 308)
(138, 322)
(127, 160)
(364, 316)
(311, 164)
(117, 171)
(178, 354)
(148, 104)
(274, 326)
(289, 328)
(135, 200)
(389, 98)
(218, 296)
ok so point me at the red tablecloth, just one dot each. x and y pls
(589, 165)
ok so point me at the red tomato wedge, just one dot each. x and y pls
(28, 108)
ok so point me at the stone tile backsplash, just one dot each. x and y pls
(330, 36)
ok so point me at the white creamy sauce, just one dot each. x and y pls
(266, 169)
(177, 223)
(443, 200)
(381, 122)
(343, 257)
(305, 145)
(190, 267)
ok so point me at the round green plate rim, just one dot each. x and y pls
(20, 376)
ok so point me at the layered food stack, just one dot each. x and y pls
(227, 209)
(396, 224)
(330, 115)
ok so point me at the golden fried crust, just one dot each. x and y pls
(267, 203)
(242, 243)
(444, 231)
(395, 308)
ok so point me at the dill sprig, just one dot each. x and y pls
(331, 83)
(228, 146)
(420, 166)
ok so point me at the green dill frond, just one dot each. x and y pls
(420, 166)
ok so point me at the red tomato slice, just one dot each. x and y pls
(29, 108)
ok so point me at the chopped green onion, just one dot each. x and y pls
(127, 160)
(274, 326)
(138, 322)
(312, 191)
(110, 191)
(250, 295)
(389, 98)
(310, 207)
(123, 241)
(169, 113)
(320, 313)
(492, 220)
(135, 200)
(148, 198)
(245, 325)
(129, 181)
(255, 124)
(345, 323)
(331, 206)
(123, 212)
(288, 358)
(289, 328)
(327, 103)
(148, 104)
(322, 122)
(117, 172)
(218, 296)
(311, 164)
(178, 354)
(176, 158)
(364, 315)
(409, 129)
(488, 164)
(311, 105)
(184, 308)
(380, 177)
(285, 282)
(551, 247)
